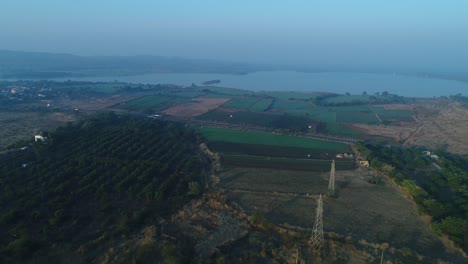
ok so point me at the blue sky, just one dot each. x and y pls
(403, 33)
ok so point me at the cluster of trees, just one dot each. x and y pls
(102, 177)
(439, 186)
(384, 98)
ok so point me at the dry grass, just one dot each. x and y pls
(446, 126)
(376, 213)
(97, 103)
(23, 125)
(438, 124)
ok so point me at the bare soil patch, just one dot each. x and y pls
(197, 107)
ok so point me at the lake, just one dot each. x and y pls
(336, 82)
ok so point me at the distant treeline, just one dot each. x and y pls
(211, 82)
(19, 64)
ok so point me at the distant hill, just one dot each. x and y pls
(20, 64)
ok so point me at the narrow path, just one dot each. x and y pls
(412, 135)
(375, 113)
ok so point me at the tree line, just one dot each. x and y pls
(438, 184)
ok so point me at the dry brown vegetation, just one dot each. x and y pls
(97, 103)
(197, 107)
(444, 125)
(438, 124)
(17, 126)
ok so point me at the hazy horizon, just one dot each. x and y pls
(423, 35)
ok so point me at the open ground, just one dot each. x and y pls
(24, 125)
(376, 213)
(439, 124)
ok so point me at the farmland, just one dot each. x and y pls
(274, 121)
(290, 105)
(283, 163)
(249, 103)
(290, 95)
(236, 136)
(271, 151)
(151, 101)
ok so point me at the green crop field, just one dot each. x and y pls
(279, 121)
(290, 105)
(261, 105)
(356, 117)
(240, 103)
(291, 95)
(237, 136)
(318, 114)
(341, 130)
(342, 99)
(393, 114)
(271, 151)
(150, 101)
(189, 94)
(283, 163)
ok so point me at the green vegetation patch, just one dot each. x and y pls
(153, 102)
(261, 105)
(237, 136)
(346, 99)
(189, 94)
(394, 114)
(279, 121)
(290, 105)
(240, 103)
(290, 95)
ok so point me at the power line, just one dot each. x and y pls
(316, 239)
(331, 181)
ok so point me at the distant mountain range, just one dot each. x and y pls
(41, 65)
(20, 64)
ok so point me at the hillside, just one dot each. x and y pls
(97, 180)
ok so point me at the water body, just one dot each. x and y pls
(336, 82)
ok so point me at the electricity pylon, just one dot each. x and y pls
(331, 181)
(316, 240)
